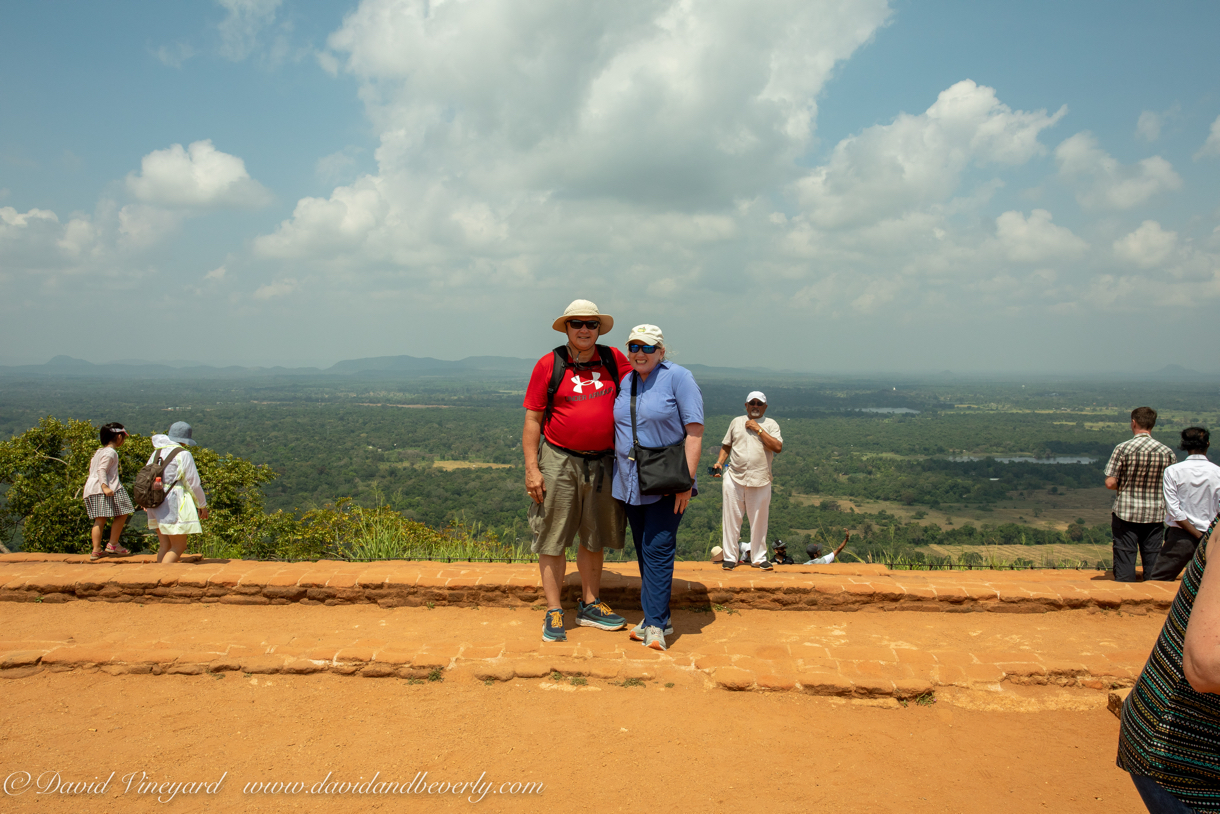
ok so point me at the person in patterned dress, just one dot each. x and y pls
(1169, 739)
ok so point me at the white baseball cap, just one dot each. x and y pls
(756, 394)
(648, 334)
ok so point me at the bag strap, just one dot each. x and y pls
(635, 441)
(169, 458)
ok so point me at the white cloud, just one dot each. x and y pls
(275, 290)
(1148, 246)
(919, 160)
(241, 26)
(338, 166)
(1150, 123)
(1148, 127)
(345, 221)
(80, 237)
(141, 226)
(11, 219)
(620, 117)
(216, 274)
(36, 242)
(1036, 239)
(1211, 147)
(173, 56)
(199, 176)
(1103, 183)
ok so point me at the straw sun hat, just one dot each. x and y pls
(583, 308)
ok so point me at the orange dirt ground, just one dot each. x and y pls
(596, 746)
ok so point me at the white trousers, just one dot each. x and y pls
(753, 503)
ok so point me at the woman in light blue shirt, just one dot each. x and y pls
(668, 404)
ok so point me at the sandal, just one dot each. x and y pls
(111, 548)
(94, 556)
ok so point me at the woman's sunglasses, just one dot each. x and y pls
(635, 347)
(591, 324)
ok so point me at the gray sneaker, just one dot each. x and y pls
(654, 638)
(637, 633)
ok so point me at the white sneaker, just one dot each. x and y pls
(636, 634)
(654, 638)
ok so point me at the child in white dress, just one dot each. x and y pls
(104, 495)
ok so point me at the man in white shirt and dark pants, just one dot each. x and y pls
(752, 440)
(1192, 490)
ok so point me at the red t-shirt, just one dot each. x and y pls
(583, 418)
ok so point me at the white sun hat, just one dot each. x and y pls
(583, 308)
(756, 394)
(717, 554)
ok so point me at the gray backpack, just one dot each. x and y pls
(148, 491)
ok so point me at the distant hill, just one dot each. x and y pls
(429, 366)
(1177, 373)
(506, 367)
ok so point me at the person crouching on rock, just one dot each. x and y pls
(781, 554)
(104, 494)
(185, 503)
(814, 551)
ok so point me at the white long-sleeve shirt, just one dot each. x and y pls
(1192, 493)
(103, 468)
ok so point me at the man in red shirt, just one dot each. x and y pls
(568, 441)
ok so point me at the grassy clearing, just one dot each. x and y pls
(449, 466)
(1037, 554)
(1039, 509)
(937, 557)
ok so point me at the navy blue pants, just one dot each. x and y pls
(1158, 799)
(654, 530)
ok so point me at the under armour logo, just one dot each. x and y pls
(578, 383)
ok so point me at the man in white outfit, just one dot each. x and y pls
(1192, 490)
(749, 446)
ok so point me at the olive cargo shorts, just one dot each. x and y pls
(573, 503)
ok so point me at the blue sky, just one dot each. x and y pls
(828, 186)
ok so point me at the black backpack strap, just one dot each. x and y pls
(559, 366)
(611, 366)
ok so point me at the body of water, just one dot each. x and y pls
(890, 410)
(1029, 459)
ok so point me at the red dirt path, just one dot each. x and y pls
(597, 747)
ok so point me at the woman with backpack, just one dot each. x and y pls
(185, 503)
(104, 495)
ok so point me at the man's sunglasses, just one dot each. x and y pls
(636, 347)
(592, 324)
(756, 403)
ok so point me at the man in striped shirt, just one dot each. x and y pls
(1136, 471)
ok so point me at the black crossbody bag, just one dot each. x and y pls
(661, 470)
